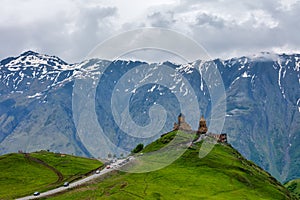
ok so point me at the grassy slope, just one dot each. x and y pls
(71, 167)
(223, 174)
(294, 187)
(21, 176)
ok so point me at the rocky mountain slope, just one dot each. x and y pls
(262, 95)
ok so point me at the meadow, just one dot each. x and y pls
(222, 174)
(23, 174)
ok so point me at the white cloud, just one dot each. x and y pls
(21, 12)
(287, 5)
(263, 19)
(71, 28)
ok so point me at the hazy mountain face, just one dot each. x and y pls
(262, 95)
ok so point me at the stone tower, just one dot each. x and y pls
(181, 118)
(182, 125)
(202, 126)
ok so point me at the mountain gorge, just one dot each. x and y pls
(262, 96)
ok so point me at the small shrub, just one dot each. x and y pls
(292, 187)
(138, 148)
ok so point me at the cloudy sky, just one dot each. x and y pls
(70, 29)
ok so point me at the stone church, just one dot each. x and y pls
(202, 128)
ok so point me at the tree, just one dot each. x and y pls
(138, 148)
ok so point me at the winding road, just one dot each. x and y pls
(114, 166)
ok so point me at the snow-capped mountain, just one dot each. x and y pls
(262, 116)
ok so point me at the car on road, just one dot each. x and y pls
(97, 172)
(107, 167)
(36, 194)
(66, 184)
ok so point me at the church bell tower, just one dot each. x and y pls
(202, 129)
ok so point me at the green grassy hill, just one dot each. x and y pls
(22, 174)
(294, 187)
(222, 174)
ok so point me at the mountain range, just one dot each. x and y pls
(262, 118)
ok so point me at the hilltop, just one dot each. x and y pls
(24, 173)
(223, 174)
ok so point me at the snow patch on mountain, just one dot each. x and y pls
(297, 64)
(298, 104)
(37, 95)
(185, 68)
(152, 89)
(245, 75)
(281, 74)
(33, 59)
